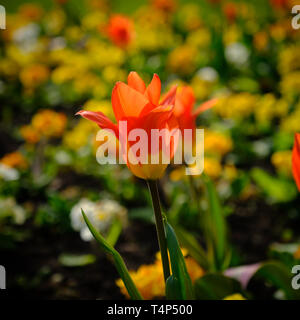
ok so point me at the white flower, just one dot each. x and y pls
(9, 208)
(7, 173)
(101, 214)
(26, 37)
(237, 54)
(208, 74)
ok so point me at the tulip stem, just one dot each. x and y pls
(160, 229)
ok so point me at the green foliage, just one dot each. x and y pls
(76, 260)
(215, 228)
(214, 286)
(180, 280)
(277, 189)
(117, 259)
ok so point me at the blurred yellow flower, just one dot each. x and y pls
(14, 160)
(282, 161)
(290, 84)
(230, 172)
(34, 75)
(232, 34)
(235, 296)
(289, 59)
(199, 38)
(49, 123)
(81, 135)
(216, 143)
(260, 40)
(29, 134)
(236, 106)
(212, 167)
(149, 279)
(182, 60)
(291, 123)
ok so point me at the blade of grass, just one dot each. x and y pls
(118, 261)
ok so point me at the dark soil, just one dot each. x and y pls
(34, 272)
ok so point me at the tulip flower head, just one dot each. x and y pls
(136, 106)
(185, 113)
(296, 160)
(120, 30)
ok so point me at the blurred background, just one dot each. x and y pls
(58, 57)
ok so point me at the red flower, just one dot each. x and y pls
(120, 30)
(230, 11)
(140, 107)
(296, 160)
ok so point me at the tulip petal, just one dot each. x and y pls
(136, 82)
(101, 119)
(205, 106)
(129, 102)
(153, 90)
(296, 160)
(169, 98)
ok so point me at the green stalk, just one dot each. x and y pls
(160, 229)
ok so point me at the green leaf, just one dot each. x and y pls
(114, 232)
(76, 260)
(280, 276)
(215, 228)
(188, 241)
(117, 259)
(179, 270)
(278, 189)
(214, 286)
(173, 289)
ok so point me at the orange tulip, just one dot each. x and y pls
(139, 106)
(184, 109)
(120, 30)
(296, 160)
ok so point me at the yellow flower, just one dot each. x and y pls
(236, 106)
(80, 135)
(14, 160)
(99, 105)
(235, 296)
(199, 38)
(282, 161)
(29, 134)
(216, 143)
(49, 123)
(289, 59)
(260, 40)
(291, 123)
(34, 75)
(231, 35)
(230, 172)
(182, 60)
(290, 84)
(149, 279)
(212, 167)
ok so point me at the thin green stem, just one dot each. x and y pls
(160, 229)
